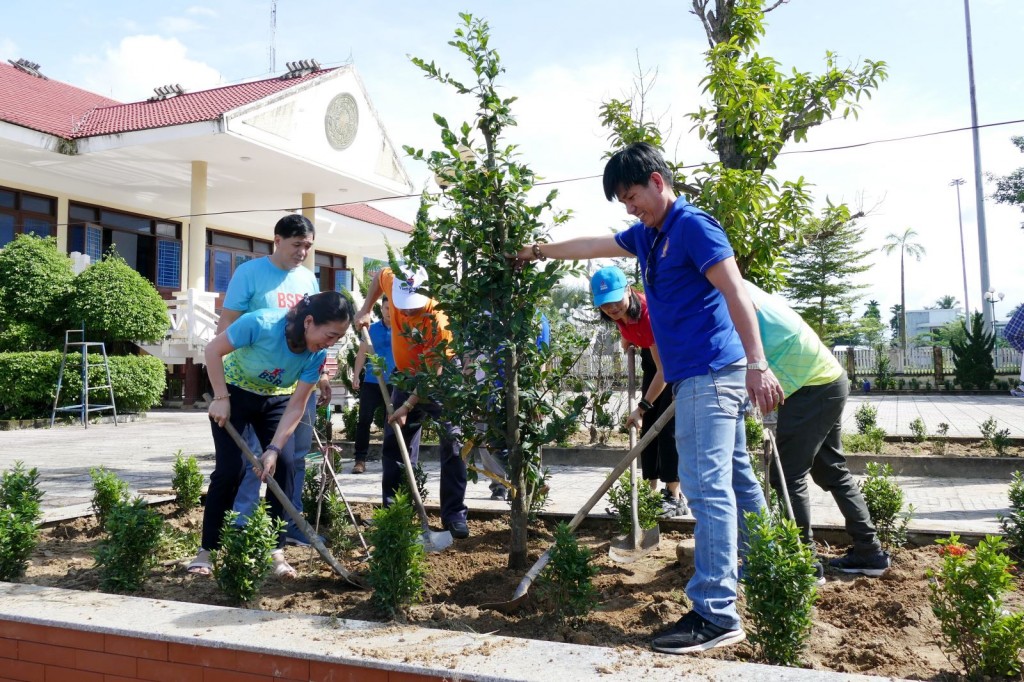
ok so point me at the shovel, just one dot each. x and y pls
(432, 540)
(771, 453)
(294, 514)
(524, 585)
(625, 549)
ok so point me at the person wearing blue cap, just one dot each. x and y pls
(707, 334)
(627, 308)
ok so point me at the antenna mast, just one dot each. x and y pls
(273, 34)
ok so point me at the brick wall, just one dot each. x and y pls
(37, 653)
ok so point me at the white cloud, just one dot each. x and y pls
(179, 25)
(198, 10)
(8, 49)
(130, 71)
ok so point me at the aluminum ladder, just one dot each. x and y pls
(84, 407)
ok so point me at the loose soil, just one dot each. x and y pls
(880, 626)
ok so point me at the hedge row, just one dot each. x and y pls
(28, 382)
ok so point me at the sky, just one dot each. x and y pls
(563, 59)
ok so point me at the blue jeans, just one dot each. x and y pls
(248, 495)
(718, 481)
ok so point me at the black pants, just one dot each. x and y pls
(370, 400)
(809, 442)
(453, 469)
(659, 459)
(263, 413)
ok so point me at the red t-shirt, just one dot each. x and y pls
(638, 333)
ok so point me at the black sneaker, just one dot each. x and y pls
(458, 528)
(819, 572)
(694, 633)
(498, 493)
(873, 565)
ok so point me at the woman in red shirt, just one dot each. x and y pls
(620, 303)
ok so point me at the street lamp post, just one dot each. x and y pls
(992, 296)
(963, 256)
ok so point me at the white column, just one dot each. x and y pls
(308, 202)
(195, 265)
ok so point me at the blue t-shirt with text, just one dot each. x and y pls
(262, 362)
(259, 284)
(689, 316)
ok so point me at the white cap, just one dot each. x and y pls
(405, 292)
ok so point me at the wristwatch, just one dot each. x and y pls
(759, 366)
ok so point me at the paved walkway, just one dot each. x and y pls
(142, 453)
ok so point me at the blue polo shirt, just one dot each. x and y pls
(259, 284)
(380, 336)
(262, 362)
(689, 317)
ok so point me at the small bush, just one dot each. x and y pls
(20, 512)
(177, 544)
(966, 596)
(1013, 525)
(566, 584)
(187, 482)
(866, 416)
(940, 445)
(35, 281)
(884, 499)
(116, 303)
(873, 441)
(540, 498)
(648, 504)
(338, 533)
(243, 561)
(755, 432)
(350, 420)
(919, 430)
(398, 568)
(779, 579)
(129, 550)
(108, 491)
(988, 430)
(421, 481)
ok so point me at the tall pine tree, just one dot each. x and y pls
(821, 283)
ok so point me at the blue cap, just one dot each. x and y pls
(608, 285)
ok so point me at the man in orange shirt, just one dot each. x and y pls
(417, 327)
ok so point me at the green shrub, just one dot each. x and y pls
(755, 432)
(966, 596)
(884, 499)
(397, 567)
(421, 480)
(919, 430)
(187, 482)
(129, 550)
(20, 512)
(116, 303)
(883, 369)
(108, 491)
(566, 585)
(35, 282)
(779, 583)
(1013, 525)
(972, 356)
(177, 544)
(18, 337)
(867, 417)
(988, 430)
(243, 561)
(873, 441)
(28, 382)
(941, 443)
(648, 504)
(995, 438)
(338, 533)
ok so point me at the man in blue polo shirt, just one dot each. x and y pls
(706, 330)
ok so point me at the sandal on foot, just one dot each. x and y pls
(282, 569)
(201, 564)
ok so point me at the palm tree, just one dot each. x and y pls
(907, 248)
(947, 302)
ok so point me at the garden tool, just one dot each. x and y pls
(327, 471)
(771, 454)
(433, 541)
(625, 549)
(519, 598)
(484, 472)
(294, 514)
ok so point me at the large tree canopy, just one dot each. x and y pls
(1010, 188)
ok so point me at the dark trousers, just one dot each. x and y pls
(263, 413)
(809, 442)
(453, 469)
(370, 399)
(660, 459)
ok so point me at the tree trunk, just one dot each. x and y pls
(903, 307)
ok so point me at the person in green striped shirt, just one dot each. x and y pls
(808, 432)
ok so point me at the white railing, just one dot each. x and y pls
(920, 360)
(192, 323)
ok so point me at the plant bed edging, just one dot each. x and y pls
(154, 639)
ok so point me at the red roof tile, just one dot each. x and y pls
(48, 106)
(60, 109)
(368, 214)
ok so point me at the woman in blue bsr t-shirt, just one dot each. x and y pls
(266, 351)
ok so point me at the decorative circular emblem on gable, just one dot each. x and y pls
(341, 121)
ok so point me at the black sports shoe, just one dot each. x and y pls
(498, 493)
(693, 633)
(458, 528)
(873, 565)
(819, 573)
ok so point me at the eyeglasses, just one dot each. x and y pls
(649, 269)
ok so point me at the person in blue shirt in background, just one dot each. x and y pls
(249, 366)
(708, 338)
(370, 397)
(277, 282)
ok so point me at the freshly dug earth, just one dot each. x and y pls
(881, 626)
